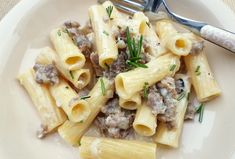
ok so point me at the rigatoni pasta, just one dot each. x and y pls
(174, 41)
(145, 122)
(105, 42)
(72, 132)
(129, 83)
(50, 114)
(92, 148)
(203, 80)
(115, 81)
(131, 103)
(68, 52)
(171, 137)
(76, 109)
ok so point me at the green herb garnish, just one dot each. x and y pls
(102, 86)
(172, 67)
(146, 90)
(106, 33)
(85, 97)
(67, 87)
(79, 143)
(181, 96)
(59, 33)
(65, 30)
(80, 121)
(109, 11)
(197, 71)
(71, 74)
(134, 49)
(148, 24)
(188, 96)
(200, 111)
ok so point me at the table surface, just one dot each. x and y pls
(6, 5)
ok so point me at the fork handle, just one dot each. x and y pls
(219, 36)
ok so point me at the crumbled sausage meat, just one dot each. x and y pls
(191, 109)
(155, 101)
(79, 37)
(168, 91)
(197, 47)
(94, 57)
(45, 74)
(113, 121)
(42, 132)
(118, 66)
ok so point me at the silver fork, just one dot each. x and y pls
(220, 37)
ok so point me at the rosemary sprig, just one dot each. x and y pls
(59, 33)
(148, 24)
(134, 49)
(146, 90)
(85, 97)
(172, 67)
(181, 96)
(106, 33)
(71, 74)
(109, 11)
(197, 71)
(200, 111)
(102, 86)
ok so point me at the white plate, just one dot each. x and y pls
(25, 30)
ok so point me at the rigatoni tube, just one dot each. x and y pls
(77, 110)
(72, 132)
(171, 137)
(203, 81)
(105, 41)
(145, 122)
(68, 52)
(103, 148)
(132, 103)
(129, 83)
(151, 39)
(79, 78)
(174, 41)
(50, 114)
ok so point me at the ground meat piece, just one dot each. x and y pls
(155, 101)
(94, 57)
(169, 84)
(111, 107)
(179, 85)
(72, 24)
(168, 91)
(79, 37)
(84, 45)
(197, 47)
(169, 116)
(114, 122)
(192, 109)
(118, 66)
(45, 74)
(42, 132)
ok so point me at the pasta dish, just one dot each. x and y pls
(120, 85)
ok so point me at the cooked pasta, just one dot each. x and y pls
(171, 137)
(203, 80)
(68, 52)
(129, 83)
(105, 42)
(50, 114)
(76, 109)
(72, 132)
(145, 122)
(120, 85)
(131, 103)
(92, 148)
(174, 41)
